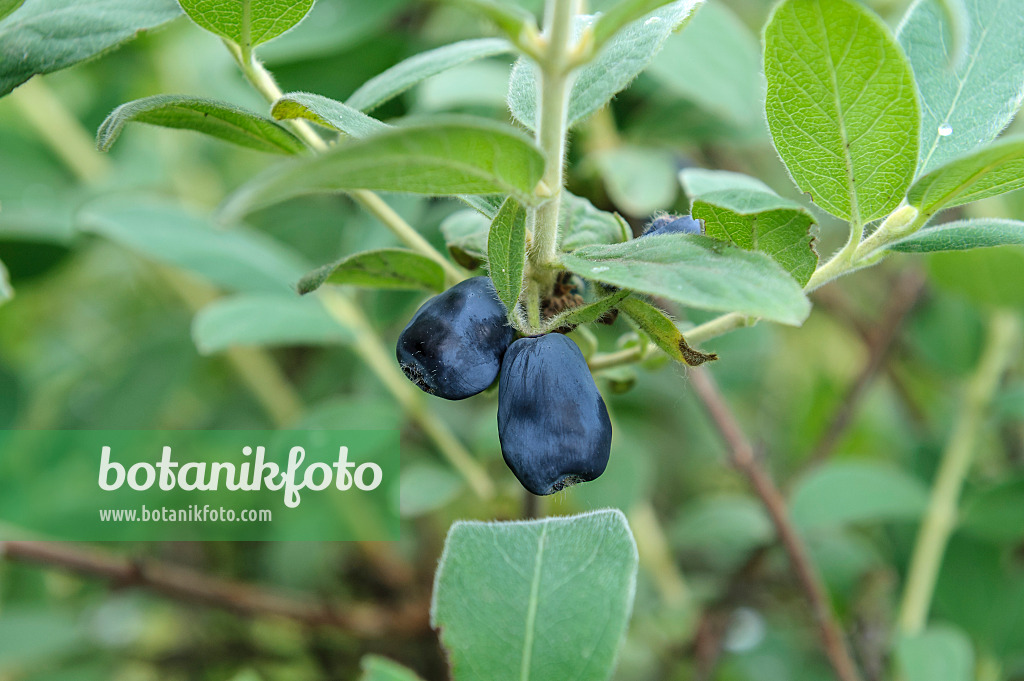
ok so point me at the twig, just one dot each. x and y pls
(941, 515)
(905, 294)
(190, 586)
(743, 458)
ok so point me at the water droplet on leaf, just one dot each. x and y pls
(945, 130)
(652, 20)
(597, 270)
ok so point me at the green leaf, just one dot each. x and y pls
(377, 668)
(663, 332)
(247, 23)
(620, 15)
(997, 514)
(639, 180)
(963, 235)
(8, 6)
(728, 85)
(994, 170)
(508, 17)
(845, 492)
(565, 596)
(940, 653)
(465, 233)
(426, 487)
(988, 276)
(461, 156)
(6, 292)
(389, 268)
(745, 211)
(29, 43)
(260, 319)
(697, 272)
(506, 253)
(965, 103)
(217, 119)
(617, 64)
(725, 528)
(841, 106)
(237, 259)
(582, 224)
(327, 112)
(404, 75)
(589, 313)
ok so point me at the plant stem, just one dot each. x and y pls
(941, 515)
(555, 75)
(264, 82)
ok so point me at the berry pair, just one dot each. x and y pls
(552, 422)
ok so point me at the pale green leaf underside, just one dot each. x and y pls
(559, 590)
(698, 272)
(377, 668)
(841, 106)
(405, 74)
(218, 119)
(620, 14)
(744, 211)
(506, 253)
(639, 180)
(390, 268)
(848, 492)
(508, 16)
(265, 320)
(971, 99)
(8, 6)
(994, 170)
(327, 112)
(939, 653)
(439, 158)
(963, 235)
(465, 234)
(581, 224)
(247, 22)
(617, 64)
(237, 259)
(86, 28)
(6, 292)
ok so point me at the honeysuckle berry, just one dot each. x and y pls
(453, 345)
(552, 422)
(674, 224)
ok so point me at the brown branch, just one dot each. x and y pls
(190, 586)
(906, 292)
(744, 460)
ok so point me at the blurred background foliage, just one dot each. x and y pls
(98, 337)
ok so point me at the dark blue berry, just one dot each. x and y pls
(454, 343)
(674, 224)
(552, 423)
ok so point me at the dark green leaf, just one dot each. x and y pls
(841, 106)
(745, 211)
(566, 592)
(404, 75)
(327, 112)
(237, 259)
(991, 171)
(506, 253)
(390, 268)
(997, 514)
(8, 6)
(464, 156)
(28, 37)
(582, 224)
(217, 119)
(963, 235)
(698, 272)
(247, 22)
(265, 320)
(990, 276)
(663, 332)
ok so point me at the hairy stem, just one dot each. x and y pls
(940, 517)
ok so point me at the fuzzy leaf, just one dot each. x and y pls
(405, 74)
(582, 224)
(452, 156)
(327, 112)
(390, 268)
(698, 272)
(589, 313)
(745, 211)
(465, 233)
(29, 43)
(579, 570)
(247, 23)
(506, 253)
(963, 235)
(664, 332)
(841, 106)
(217, 119)
(965, 102)
(994, 170)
